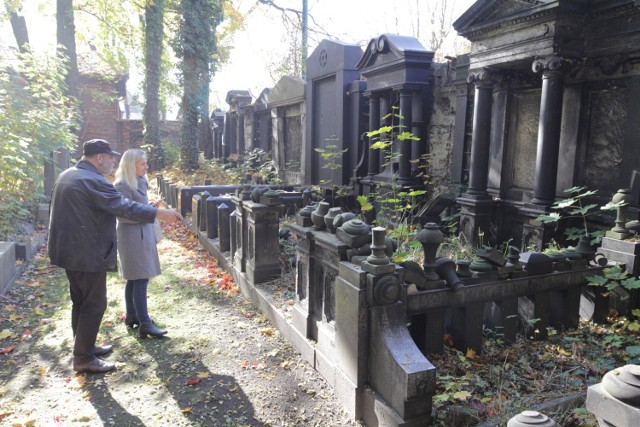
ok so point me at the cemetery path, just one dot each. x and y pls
(222, 363)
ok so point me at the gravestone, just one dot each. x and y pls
(288, 109)
(217, 118)
(261, 137)
(234, 122)
(330, 70)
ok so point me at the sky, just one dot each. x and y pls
(350, 21)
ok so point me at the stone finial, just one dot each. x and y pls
(378, 255)
(378, 262)
(624, 198)
(430, 237)
(531, 418)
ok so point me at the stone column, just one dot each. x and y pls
(374, 124)
(384, 110)
(548, 130)
(475, 203)
(406, 119)
(480, 136)
(240, 133)
(418, 147)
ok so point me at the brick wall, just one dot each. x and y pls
(100, 109)
(102, 116)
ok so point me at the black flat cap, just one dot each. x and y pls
(97, 146)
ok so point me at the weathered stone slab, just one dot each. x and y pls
(7, 264)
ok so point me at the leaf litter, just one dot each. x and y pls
(222, 364)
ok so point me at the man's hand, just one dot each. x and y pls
(168, 215)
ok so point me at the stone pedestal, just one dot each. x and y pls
(262, 262)
(615, 400)
(239, 257)
(627, 253)
(535, 233)
(475, 216)
(301, 318)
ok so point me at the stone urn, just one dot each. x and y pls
(329, 217)
(342, 218)
(584, 248)
(307, 210)
(317, 216)
(463, 270)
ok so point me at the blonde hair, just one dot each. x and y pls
(126, 171)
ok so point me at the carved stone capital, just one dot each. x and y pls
(553, 66)
(483, 78)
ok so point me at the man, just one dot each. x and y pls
(82, 240)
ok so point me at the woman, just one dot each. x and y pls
(136, 244)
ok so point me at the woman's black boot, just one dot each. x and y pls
(131, 321)
(148, 328)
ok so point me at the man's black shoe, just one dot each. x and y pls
(96, 366)
(102, 350)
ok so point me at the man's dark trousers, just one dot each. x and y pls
(88, 292)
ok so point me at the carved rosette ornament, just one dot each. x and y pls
(552, 67)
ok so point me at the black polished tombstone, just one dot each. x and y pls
(330, 70)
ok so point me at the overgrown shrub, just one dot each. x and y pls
(36, 119)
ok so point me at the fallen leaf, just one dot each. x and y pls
(7, 333)
(6, 350)
(267, 331)
(471, 354)
(203, 374)
(193, 381)
(186, 410)
(462, 395)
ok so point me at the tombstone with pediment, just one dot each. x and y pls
(397, 71)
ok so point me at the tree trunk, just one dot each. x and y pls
(18, 25)
(190, 103)
(153, 13)
(66, 36)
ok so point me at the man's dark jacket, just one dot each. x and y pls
(82, 223)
